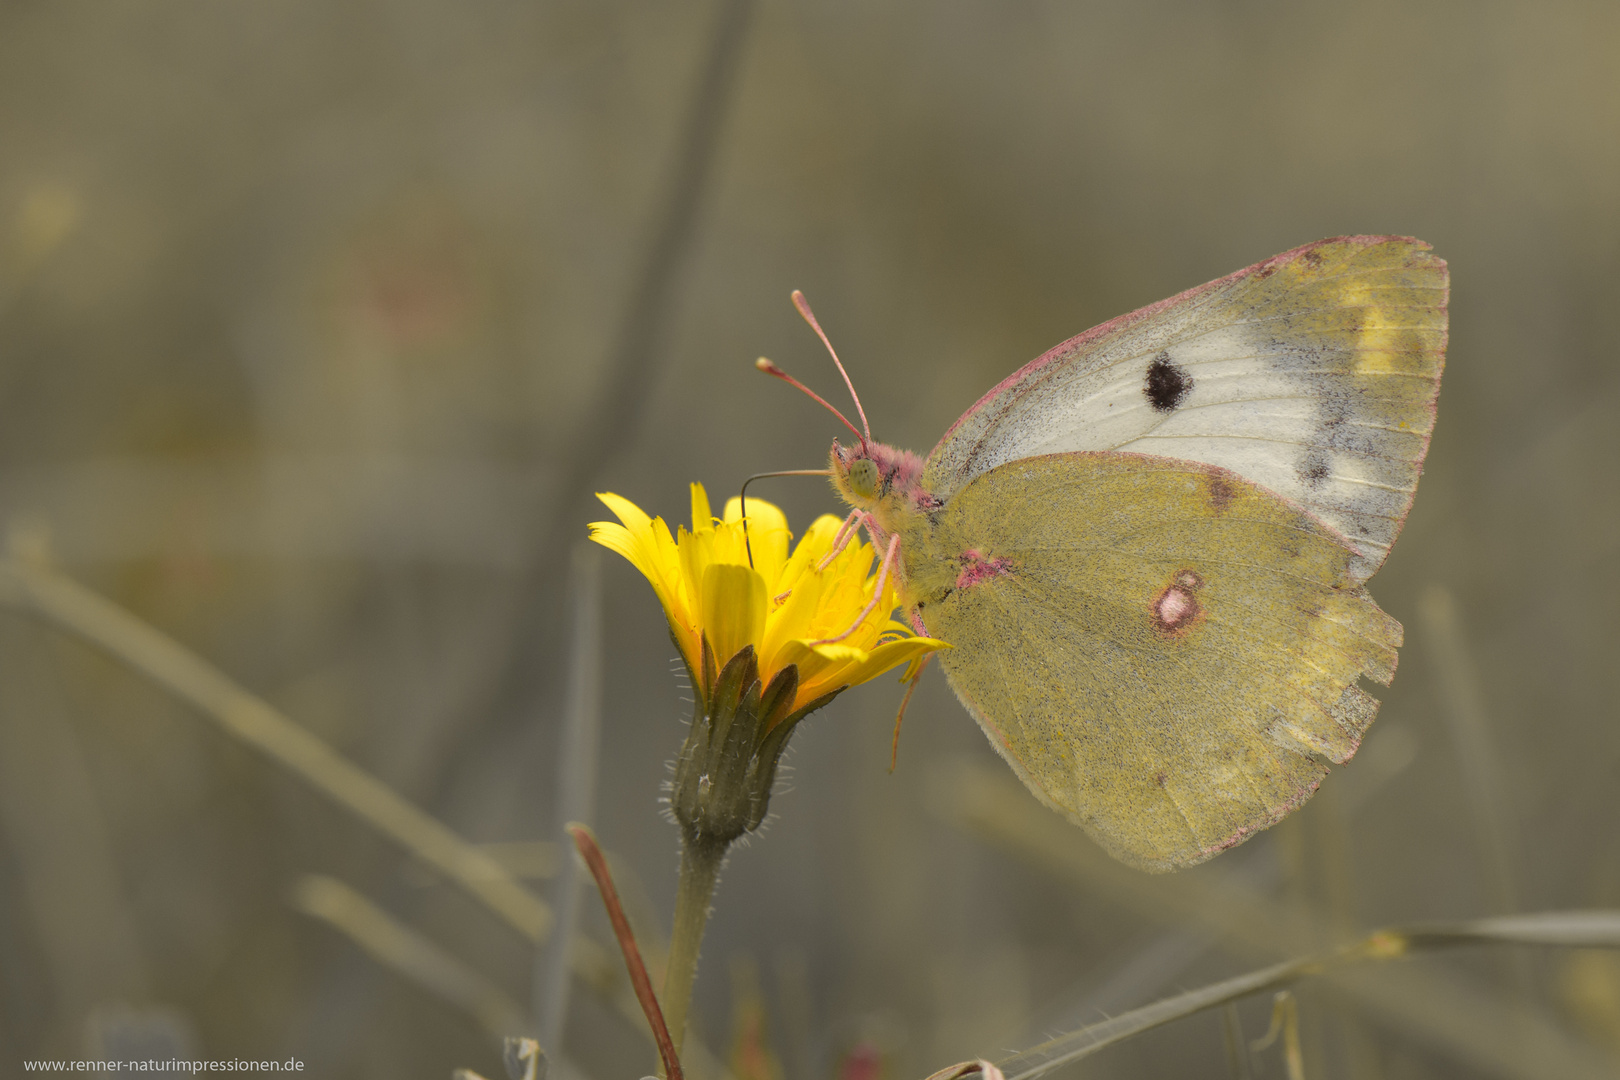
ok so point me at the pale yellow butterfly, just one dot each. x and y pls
(1148, 547)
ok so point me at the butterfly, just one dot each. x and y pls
(1149, 546)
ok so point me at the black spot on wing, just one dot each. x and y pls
(1167, 385)
(1313, 469)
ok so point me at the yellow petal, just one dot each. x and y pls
(730, 545)
(915, 667)
(768, 535)
(615, 537)
(633, 516)
(827, 667)
(846, 593)
(891, 655)
(706, 585)
(810, 550)
(793, 618)
(733, 609)
(820, 666)
(702, 519)
(697, 552)
(645, 542)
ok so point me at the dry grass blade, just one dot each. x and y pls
(1284, 1026)
(1468, 1022)
(961, 1069)
(1463, 705)
(524, 1058)
(59, 843)
(1568, 929)
(252, 720)
(406, 952)
(1578, 929)
(1159, 964)
(627, 942)
(1088, 1040)
(249, 718)
(576, 788)
(1237, 1048)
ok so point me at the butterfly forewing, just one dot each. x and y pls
(1313, 374)
(1164, 651)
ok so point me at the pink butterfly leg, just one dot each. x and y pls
(841, 541)
(911, 685)
(877, 594)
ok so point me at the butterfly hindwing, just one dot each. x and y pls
(1164, 651)
(1313, 374)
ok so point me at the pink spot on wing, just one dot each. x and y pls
(1176, 610)
(1174, 606)
(977, 568)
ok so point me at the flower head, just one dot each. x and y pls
(779, 602)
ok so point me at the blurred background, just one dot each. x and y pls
(319, 323)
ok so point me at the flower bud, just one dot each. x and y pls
(724, 774)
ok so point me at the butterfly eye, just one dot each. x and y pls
(863, 478)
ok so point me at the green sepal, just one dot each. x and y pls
(726, 767)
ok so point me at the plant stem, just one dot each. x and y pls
(700, 867)
(667, 1053)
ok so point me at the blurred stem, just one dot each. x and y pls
(188, 676)
(407, 952)
(252, 720)
(668, 1056)
(701, 857)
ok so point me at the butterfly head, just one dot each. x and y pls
(870, 476)
(876, 478)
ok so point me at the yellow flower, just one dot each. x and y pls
(781, 604)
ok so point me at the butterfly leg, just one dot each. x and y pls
(911, 686)
(846, 532)
(877, 593)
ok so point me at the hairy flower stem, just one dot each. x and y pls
(722, 790)
(701, 857)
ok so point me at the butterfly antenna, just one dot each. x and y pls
(742, 499)
(771, 369)
(810, 317)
